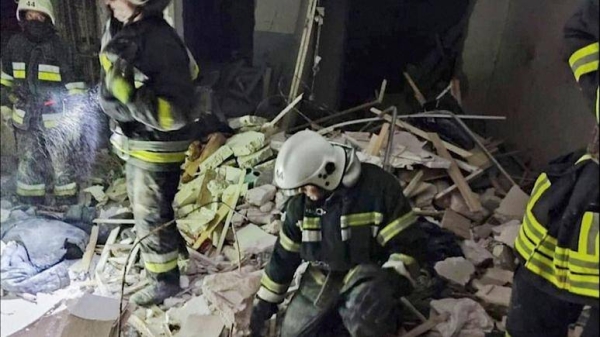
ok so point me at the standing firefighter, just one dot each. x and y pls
(558, 244)
(36, 80)
(146, 88)
(357, 230)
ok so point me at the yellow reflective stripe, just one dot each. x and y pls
(272, 285)
(311, 236)
(165, 114)
(317, 275)
(584, 52)
(18, 69)
(105, 62)
(396, 227)
(138, 84)
(154, 157)
(65, 190)
(586, 69)
(311, 223)
(18, 116)
(287, 243)
(269, 296)
(48, 72)
(564, 279)
(597, 104)
(76, 91)
(361, 219)
(5, 79)
(584, 235)
(584, 158)
(19, 73)
(406, 259)
(160, 267)
(27, 190)
(350, 274)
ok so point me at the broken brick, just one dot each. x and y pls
(455, 269)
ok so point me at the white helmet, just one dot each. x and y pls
(307, 158)
(43, 6)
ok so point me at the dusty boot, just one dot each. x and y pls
(164, 285)
(32, 201)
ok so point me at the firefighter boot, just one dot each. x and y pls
(164, 285)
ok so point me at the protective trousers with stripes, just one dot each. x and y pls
(39, 154)
(151, 195)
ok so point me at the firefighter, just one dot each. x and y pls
(558, 243)
(36, 82)
(356, 229)
(147, 90)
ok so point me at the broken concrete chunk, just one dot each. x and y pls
(247, 143)
(268, 207)
(475, 253)
(483, 231)
(274, 227)
(217, 187)
(231, 174)
(280, 200)
(507, 233)
(117, 191)
(253, 240)
(497, 276)
(208, 325)
(455, 269)
(259, 196)
(255, 158)
(504, 257)
(489, 200)
(457, 224)
(493, 294)
(467, 317)
(196, 306)
(217, 158)
(277, 141)
(246, 121)
(188, 193)
(513, 205)
(197, 221)
(257, 217)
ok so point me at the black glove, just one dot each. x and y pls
(261, 312)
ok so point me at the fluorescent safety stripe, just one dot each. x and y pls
(311, 236)
(273, 286)
(346, 234)
(194, 69)
(105, 61)
(311, 223)
(19, 73)
(396, 227)
(403, 258)
(51, 120)
(158, 268)
(65, 190)
(50, 77)
(269, 296)
(49, 68)
(27, 190)
(176, 146)
(563, 279)
(6, 80)
(165, 114)
(361, 219)
(160, 258)
(18, 116)
(75, 85)
(154, 157)
(18, 66)
(138, 84)
(317, 275)
(586, 69)
(288, 244)
(585, 55)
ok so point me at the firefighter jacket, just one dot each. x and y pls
(36, 79)
(371, 222)
(581, 38)
(153, 129)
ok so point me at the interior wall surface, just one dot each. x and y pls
(515, 64)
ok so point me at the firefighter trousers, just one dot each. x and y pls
(39, 154)
(151, 195)
(534, 313)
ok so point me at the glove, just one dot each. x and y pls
(261, 312)
(119, 82)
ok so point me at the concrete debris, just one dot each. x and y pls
(246, 143)
(458, 204)
(277, 141)
(496, 276)
(253, 240)
(209, 325)
(455, 269)
(97, 191)
(274, 227)
(489, 200)
(196, 306)
(507, 233)
(457, 224)
(280, 200)
(268, 207)
(261, 195)
(513, 205)
(258, 217)
(482, 232)
(255, 158)
(466, 317)
(475, 253)
(246, 121)
(504, 257)
(117, 191)
(494, 294)
(217, 158)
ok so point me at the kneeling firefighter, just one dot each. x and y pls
(351, 221)
(558, 244)
(147, 90)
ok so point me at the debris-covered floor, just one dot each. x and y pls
(68, 277)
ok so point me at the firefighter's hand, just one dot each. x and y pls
(119, 84)
(261, 312)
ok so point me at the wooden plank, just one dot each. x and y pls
(379, 141)
(112, 237)
(283, 112)
(414, 182)
(132, 258)
(418, 94)
(84, 264)
(141, 327)
(453, 187)
(454, 172)
(303, 49)
(414, 130)
(115, 221)
(234, 200)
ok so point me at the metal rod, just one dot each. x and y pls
(483, 148)
(358, 121)
(388, 150)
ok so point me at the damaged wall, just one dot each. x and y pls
(514, 60)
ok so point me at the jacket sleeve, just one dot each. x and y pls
(581, 39)
(401, 236)
(282, 266)
(6, 78)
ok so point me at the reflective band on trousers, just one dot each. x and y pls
(49, 73)
(160, 263)
(396, 227)
(66, 190)
(18, 69)
(27, 190)
(76, 88)
(288, 244)
(6, 80)
(51, 120)
(269, 296)
(584, 60)
(18, 116)
(150, 151)
(273, 286)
